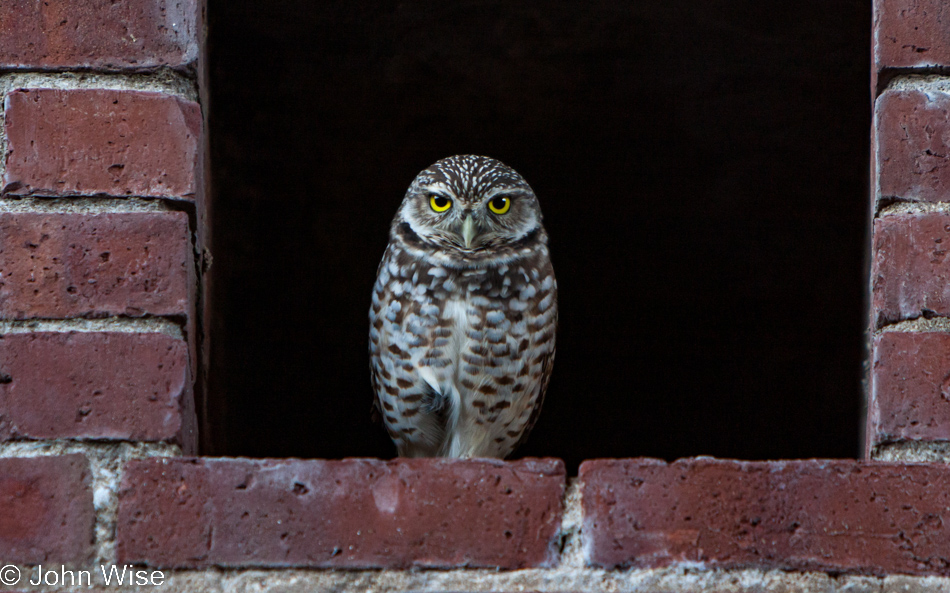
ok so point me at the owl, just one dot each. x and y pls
(464, 313)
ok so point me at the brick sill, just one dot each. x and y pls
(837, 516)
(351, 513)
(621, 518)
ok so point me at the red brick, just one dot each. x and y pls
(910, 387)
(46, 510)
(99, 34)
(94, 385)
(91, 142)
(70, 265)
(910, 267)
(814, 515)
(911, 33)
(353, 513)
(913, 145)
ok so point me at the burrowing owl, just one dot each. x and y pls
(464, 313)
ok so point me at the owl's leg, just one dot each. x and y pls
(417, 449)
(488, 425)
(475, 443)
(470, 438)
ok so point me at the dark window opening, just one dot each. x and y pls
(702, 168)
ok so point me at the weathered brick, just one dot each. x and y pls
(46, 510)
(910, 266)
(822, 515)
(91, 142)
(911, 33)
(910, 387)
(99, 34)
(128, 386)
(353, 513)
(57, 265)
(913, 144)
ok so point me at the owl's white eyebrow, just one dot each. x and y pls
(508, 191)
(439, 188)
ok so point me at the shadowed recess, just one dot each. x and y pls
(702, 169)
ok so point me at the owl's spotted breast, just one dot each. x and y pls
(461, 344)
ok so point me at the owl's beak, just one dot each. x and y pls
(468, 231)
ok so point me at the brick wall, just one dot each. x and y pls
(104, 253)
(909, 396)
(102, 214)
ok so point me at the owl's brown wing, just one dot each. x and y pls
(543, 324)
(411, 409)
(547, 364)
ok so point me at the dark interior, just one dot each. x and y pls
(702, 166)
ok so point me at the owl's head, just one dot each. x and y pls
(468, 205)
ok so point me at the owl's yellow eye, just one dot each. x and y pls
(499, 205)
(439, 203)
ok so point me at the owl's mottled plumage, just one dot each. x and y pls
(464, 313)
